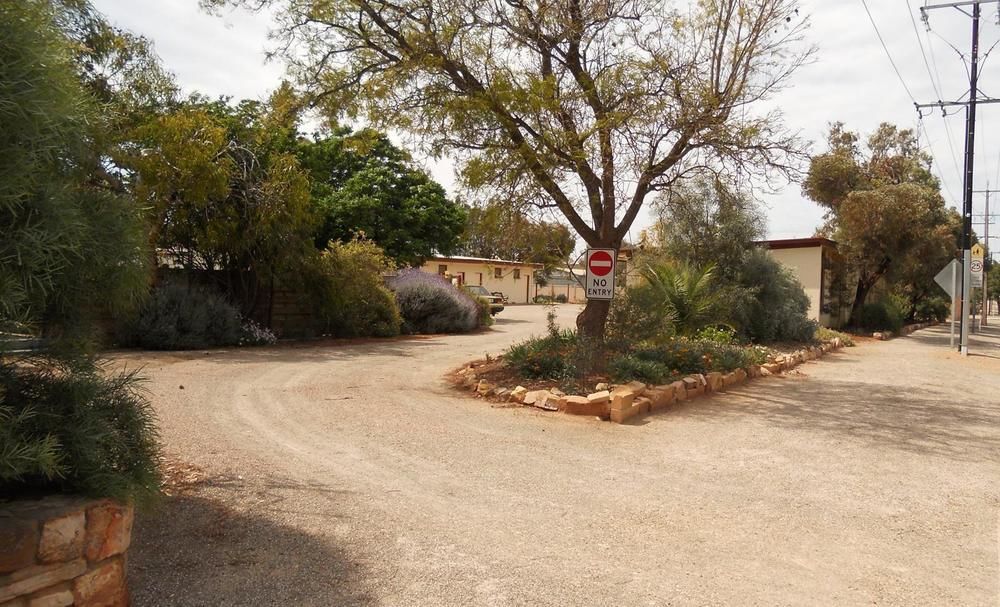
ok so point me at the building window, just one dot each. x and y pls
(517, 274)
(497, 272)
(442, 269)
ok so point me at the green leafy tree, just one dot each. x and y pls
(227, 190)
(882, 203)
(498, 230)
(364, 186)
(585, 107)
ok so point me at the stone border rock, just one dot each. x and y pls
(623, 402)
(64, 550)
(884, 335)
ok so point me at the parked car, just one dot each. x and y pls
(495, 301)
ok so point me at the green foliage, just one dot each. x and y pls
(178, 317)
(718, 335)
(630, 367)
(686, 294)
(548, 357)
(70, 249)
(931, 309)
(768, 303)
(226, 189)
(75, 430)
(350, 293)
(363, 185)
(706, 223)
(825, 334)
(637, 314)
(684, 356)
(884, 315)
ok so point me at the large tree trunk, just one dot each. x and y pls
(590, 323)
(860, 295)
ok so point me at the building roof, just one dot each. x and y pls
(797, 243)
(486, 260)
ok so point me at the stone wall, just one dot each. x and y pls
(63, 550)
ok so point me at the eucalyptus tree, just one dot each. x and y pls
(587, 106)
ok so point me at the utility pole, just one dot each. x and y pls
(970, 140)
(986, 243)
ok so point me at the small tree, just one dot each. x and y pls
(882, 202)
(587, 107)
(706, 222)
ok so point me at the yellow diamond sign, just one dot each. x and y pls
(978, 251)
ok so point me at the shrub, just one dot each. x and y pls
(884, 315)
(931, 309)
(685, 356)
(176, 317)
(75, 430)
(430, 304)
(349, 293)
(825, 334)
(687, 294)
(553, 356)
(768, 303)
(719, 335)
(485, 315)
(253, 334)
(630, 367)
(561, 298)
(636, 316)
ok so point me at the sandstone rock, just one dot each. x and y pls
(690, 383)
(31, 579)
(644, 404)
(583, 405)
(501, 392)
(621, 401)
(57, 596)
(662, 396)
(531, 397)
(601, 387)
(753, 371)
(620, 416)
(484, 387)
(602, 396)
(715, 382)
(772, 368)
(557, 392)
(517, 394)
(19, 540)
(741, 375)
(696, 392)
(62, 538)
(549, 401)
(103, 585)
(764, 372)
(680, 390)
(109, 530)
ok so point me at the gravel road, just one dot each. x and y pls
(353, 475)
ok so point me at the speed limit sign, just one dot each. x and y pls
(977, 266)
(976, 271)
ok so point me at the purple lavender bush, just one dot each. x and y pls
(429, 303)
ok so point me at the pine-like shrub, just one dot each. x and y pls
(75, 429)
(177, 317)
(430, 304)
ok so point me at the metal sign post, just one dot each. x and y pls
(947, 279)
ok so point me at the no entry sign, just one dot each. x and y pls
(601, 273)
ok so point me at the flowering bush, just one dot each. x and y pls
(430, 304)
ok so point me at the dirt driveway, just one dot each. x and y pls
(352, 475)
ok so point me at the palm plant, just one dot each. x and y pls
(688, 294)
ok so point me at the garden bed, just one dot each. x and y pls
(496, 380)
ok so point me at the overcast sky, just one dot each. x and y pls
(851, 80)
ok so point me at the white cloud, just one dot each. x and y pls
(851, 80)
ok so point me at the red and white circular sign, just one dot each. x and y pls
(600, 263)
